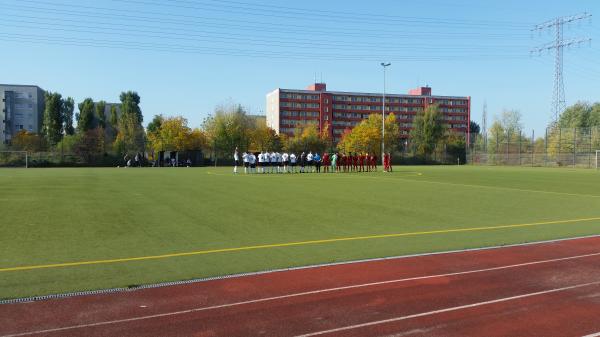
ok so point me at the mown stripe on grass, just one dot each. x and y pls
(290, 244)
(424, 181)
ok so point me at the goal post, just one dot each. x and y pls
(14, 159)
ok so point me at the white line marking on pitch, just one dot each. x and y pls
(312, 292)
(396, 319)
(593, 335)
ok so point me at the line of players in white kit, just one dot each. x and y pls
(275, 162)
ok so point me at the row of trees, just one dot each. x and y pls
(570, 139)
(429, 138)
(97, 133)
(119, 131)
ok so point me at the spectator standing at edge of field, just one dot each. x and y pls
(189, 162)
(285, 158)
(236, 160)
(309, 162)
(317, 160)
(293, 162)
(326, 162)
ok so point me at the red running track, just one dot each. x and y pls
(547, 289)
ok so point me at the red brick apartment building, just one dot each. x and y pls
(288, 109)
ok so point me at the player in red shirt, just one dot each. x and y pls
(361, 162)
(374, 162)
(389, 161)
(326, 162)
(343, 162)
(385, 162)
(355, 162)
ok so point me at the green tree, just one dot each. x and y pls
(68, 110)
(229, 127)
(130, 104)
(89, 144)
(155, 124)
(173, 134)
(474, 128)
(100, 115)
(130, 137)
(428, 131)
(456, 147)
(52, 123)
(114, 119)
(263, 138)
(86, 115)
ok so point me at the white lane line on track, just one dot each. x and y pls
(312, 292)
(467, 306)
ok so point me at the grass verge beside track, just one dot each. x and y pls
(54, 216)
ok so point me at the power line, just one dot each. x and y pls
(287, 11)
(558, 100)
(178, 26)
(85, 42)
(223, 37)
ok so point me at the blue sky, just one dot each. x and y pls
(184, 57)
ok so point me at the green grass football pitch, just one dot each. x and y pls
(95, 220)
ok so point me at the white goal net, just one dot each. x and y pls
(14, 159)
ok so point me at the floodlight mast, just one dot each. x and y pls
(384, 65)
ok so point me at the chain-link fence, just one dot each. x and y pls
(570, 147)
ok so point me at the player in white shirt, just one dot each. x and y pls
(246, 162)
(261, 162)
(236, 159)
(309, 162)
(266, 162)
(279, 162)
(293, 160)
(285, 158)
(273, 158)
(252, 160)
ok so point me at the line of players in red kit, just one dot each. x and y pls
(363, 162)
